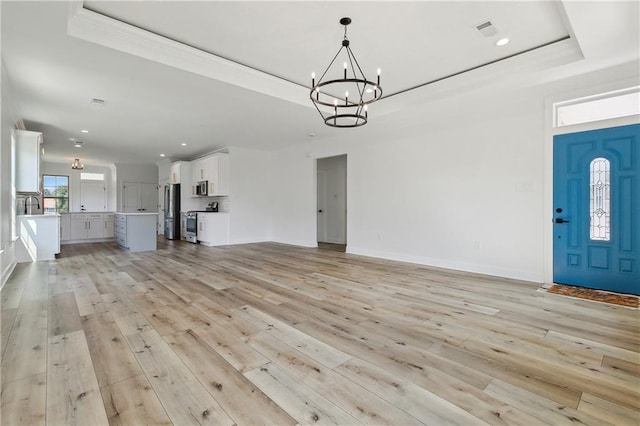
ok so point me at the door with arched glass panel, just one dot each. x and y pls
(596, 202)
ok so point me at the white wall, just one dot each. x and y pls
(10, 113)
(457, 184)
(251, 198)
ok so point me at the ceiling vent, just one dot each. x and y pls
(97, 101)
(487, 28)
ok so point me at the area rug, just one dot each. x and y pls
(627, 300)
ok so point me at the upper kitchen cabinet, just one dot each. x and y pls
(28, 161)
(219, 181)
(215, 171)
(178, 172)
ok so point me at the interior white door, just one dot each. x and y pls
(93, 196)
(321, 206)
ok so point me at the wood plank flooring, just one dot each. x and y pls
(281, 335)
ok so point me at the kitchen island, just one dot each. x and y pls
(136, 231)
(39, 237)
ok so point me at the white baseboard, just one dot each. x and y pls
(94, 240)
(10, 265)
(301, 243)
(450, 264)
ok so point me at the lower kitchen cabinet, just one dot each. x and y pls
(76, 227)
(136, 231)
(65, 227)
(109, 225)
(87, 226)
(213, 229)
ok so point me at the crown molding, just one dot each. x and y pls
(105, 31)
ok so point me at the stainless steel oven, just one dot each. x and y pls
(191, 227)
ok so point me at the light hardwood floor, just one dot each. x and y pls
(275, 334)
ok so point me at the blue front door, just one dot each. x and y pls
(596, 202)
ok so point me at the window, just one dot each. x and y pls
(56, 194)
(600, 199)
(605, 106)
(92, 176)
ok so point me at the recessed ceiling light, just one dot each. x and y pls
(503, 41)
(161, 155)
(84, 131)
(183, 144)
(78, 144)
(311, 135)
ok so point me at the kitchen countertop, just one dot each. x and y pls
(137, 213)
(39, 215)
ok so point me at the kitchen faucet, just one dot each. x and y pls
(29, 205)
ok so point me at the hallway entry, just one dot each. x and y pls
(332, 202)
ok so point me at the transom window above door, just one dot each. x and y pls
(605, 106)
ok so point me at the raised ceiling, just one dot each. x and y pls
(215, 74)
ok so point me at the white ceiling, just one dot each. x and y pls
(169, 71)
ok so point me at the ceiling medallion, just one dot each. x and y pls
(343, 102)
(76, 165)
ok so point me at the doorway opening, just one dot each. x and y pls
(332, 203)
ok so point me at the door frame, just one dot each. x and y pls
(346, 201)
(549, 132)
(323, 219)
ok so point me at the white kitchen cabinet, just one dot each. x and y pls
(220, 175)
(108, 230)
(87, 226)
(196, 171)
(136, 231)
(213, 229)
(214, 169)
(177, 173)
(65, 227)
(139, 197)
(28, 161)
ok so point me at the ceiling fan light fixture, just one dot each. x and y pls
(331, 96)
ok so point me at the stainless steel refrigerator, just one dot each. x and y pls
(172, 211)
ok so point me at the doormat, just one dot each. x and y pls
(627, 300)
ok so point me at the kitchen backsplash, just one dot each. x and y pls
(223, 203)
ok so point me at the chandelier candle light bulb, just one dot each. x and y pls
(326, 93)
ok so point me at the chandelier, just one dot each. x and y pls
(77, 165)
(343, 102)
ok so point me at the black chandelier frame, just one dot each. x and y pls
(346, 112)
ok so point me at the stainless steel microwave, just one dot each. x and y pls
(202, 188)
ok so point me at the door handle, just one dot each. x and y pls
(561, 220)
